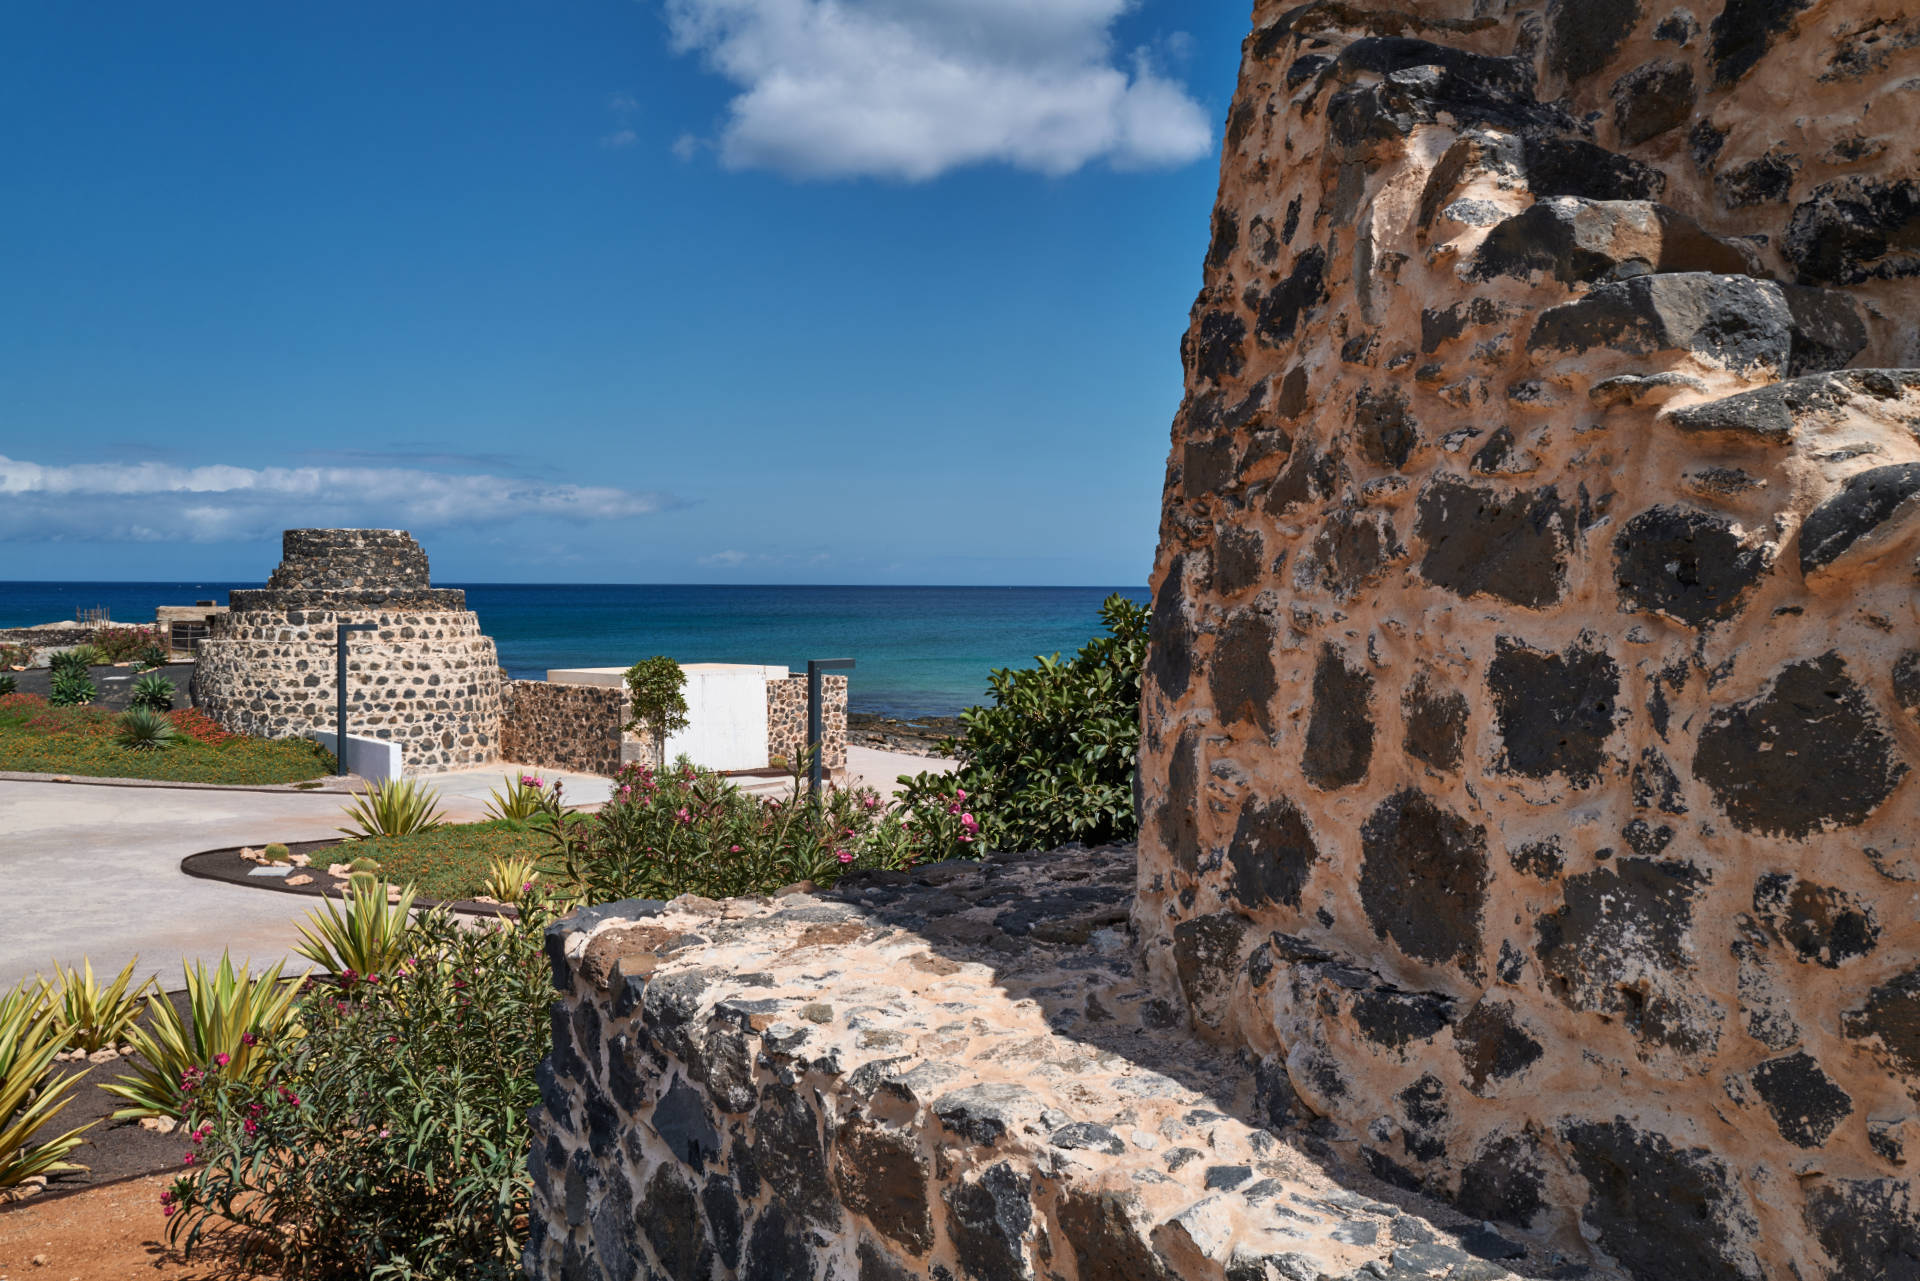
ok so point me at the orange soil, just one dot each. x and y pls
(113, 1234)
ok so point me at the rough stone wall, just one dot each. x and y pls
(427, 678)
(1534, 687)
(959, 1072)
(787, 719)
(573, 727)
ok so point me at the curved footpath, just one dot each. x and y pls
(93, 869)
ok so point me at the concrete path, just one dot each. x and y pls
(91, 870)
(94, 870)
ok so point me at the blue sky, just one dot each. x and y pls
(873, 291)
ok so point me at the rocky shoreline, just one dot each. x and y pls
(920, 736)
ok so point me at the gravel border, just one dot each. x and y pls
(227, 866)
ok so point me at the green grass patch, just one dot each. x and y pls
(448, 862)
(38, 739)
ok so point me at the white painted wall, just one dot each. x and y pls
(373, 759)
(726, 710)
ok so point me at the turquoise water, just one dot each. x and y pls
(920, 650)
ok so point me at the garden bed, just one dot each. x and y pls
(447, 865)
(36, 738)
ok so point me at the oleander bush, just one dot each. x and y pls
(121, 644)
(388, 1138)
(1052, 759)
(231, 1015)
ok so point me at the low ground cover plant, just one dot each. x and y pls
(38, 737)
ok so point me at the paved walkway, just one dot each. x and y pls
(94, 870)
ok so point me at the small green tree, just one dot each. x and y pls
(655, 686)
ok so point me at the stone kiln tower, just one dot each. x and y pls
(1534, 694)
(427, 678)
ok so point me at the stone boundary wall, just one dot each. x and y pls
(571, 727)
(787, 719)
(958, 1072)
(1534, 698)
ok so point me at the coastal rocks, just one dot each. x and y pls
(1532, 796)
(940, 1092)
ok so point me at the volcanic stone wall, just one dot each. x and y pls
(1534, 689)
(427, 678)
(787, 720)
(574, 727)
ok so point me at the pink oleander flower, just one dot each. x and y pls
(249, 1125)
(733, 849)
(969, 822)
(682, 816)
(249, 1038)
(845, 856)
(187, 1160)
(959, 794)
(966, 838)
(222, 1059)
(871, 802)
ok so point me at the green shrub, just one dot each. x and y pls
(276, 853)
(390, 1138)
(69, 689)
(7, 684)
(149, 658)
(394, 807)
(1053, 759)
(142, 729)
(153, 692)
(16, 655)
(72, 662)
(656, 701)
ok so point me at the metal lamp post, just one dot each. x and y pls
(815, 714)
(340, 691)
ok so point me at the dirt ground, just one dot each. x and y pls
(115, 1233)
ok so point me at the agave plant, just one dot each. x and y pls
(394, 807)
(231, 1017)
(89, 1017)
(509, 878)
(29, 1040)
(153, 692)
(69, 689)
(525, 798)
(368, 937)
(142, 729)
(71, 662)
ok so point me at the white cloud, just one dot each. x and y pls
(155, 502)
(619, 138)
(724, 560)
(913, 88)
(686, 146)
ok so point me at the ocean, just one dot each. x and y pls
(921, 651)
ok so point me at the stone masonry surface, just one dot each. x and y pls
(427, 678)
(787, 719)
(575, 727)
(1534, 687)
(957, 1072)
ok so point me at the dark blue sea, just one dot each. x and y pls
(922, 651)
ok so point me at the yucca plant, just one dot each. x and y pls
(90, 1017)
(153, 692)
(141, 729)
(231, 1016)
(509, 878)
(29, 1040)
(393, 807)
(369, 937)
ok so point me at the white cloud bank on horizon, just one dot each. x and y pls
(162, 502)
(913, 88)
